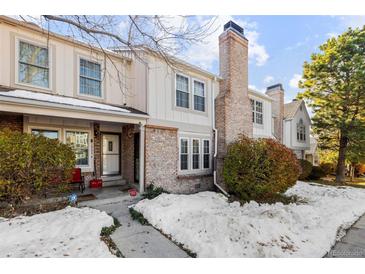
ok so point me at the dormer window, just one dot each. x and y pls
(257, 112)
(301, 131)
(33, 66)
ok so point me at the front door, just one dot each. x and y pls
(111, 154)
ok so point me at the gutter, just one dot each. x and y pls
(215, 144)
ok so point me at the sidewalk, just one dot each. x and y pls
(352, 245)
(133, 239)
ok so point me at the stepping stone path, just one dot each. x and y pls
(352, 245)
(133, 239)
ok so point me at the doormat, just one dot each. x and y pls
(86, 197)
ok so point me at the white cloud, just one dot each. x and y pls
(206, 53)
(268, 79)
(262, 90)
(332, 34)
(294, 81)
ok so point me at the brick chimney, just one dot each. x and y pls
(276, 92)
(233, 109)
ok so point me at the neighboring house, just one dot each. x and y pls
(311, 155)
(135, 119)
(296, 131)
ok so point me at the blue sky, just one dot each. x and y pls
(279, 45)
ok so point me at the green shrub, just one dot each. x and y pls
(328, 168)
(316, 173)
(257, 169)
(306, 169)
(152, 192)
(32, 165)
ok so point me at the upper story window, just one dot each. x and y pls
(90, 78)
(33, 67)
(182, 91)
(257, 112)
(199, 95)
(301, 131)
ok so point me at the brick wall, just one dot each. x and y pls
(128, 152)
(233, 109)
(11, 121)
(161, 163)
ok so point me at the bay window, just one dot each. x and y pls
(79, 141)
(182, 91)
(33, 65)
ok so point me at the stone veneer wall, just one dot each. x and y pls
(233, 109)
(13, 122)
(161, 163)
(128, 152)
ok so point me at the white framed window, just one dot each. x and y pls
(206, 154)
(32, 66)
(195, 154)
(182, 91)
(184, 154)
(80, 142)
(199, 95)
(90, 78)
(301, 131)
(257, 112)
(49, 133)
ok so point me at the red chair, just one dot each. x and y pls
(77, 178)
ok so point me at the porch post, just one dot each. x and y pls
(141, 157)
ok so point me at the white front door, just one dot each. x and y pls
(111, 154)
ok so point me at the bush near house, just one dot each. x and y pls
(316, 173)
(306, 169)
(328, 168)
(31, 165)
(259, 169)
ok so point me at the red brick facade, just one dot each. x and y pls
(12, 121)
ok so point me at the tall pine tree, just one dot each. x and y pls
(334, 86)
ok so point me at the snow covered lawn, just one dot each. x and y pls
(210, 226)
(71, 232)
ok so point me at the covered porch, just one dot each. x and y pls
(108, 140)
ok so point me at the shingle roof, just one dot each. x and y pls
(291, 108)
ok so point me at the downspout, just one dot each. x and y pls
(215, 143)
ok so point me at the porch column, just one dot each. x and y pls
(141, 158)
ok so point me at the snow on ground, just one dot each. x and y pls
(210, 226)
(70, 232)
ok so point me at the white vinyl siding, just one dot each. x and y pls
(90, 78)
(33, 65)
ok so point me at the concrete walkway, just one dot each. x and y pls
(352, 245)
(133, 239)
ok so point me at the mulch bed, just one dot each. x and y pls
(29, 210)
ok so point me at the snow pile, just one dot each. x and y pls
(24, 94)
(70, 232)
(207, 224)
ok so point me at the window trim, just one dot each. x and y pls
(89, 166)
(254, 111)
(203, 154)
(96, 61)
(189, 91)
(188, 153)
(16, 65)
(193, 94)
(192, 154)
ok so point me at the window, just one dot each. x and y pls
(90, 78)
(79, 141)
(182, 91)
(206, 154)
(301, 131)
(52, 134)
(33, 66)
(184, 154)
(110, 146)
(199, 95)
(196, 154)
(257, 112)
